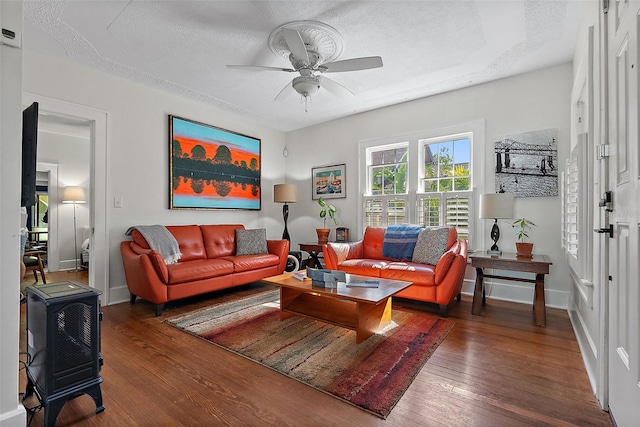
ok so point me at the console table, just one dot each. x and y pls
(313, 249)
(537, 264)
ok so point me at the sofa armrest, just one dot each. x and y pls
(142, 277)
(156, 260)
(281, 249)
(336, 253)
(449, 280)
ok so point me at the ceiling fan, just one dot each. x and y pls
(311, 47)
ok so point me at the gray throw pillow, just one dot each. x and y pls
(251, 242)
(431, 244)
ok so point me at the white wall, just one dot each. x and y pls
(72, 155)
(138, 149)
(12, 413)
(533, 101)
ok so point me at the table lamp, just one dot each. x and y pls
(285, 193)
(496, 206)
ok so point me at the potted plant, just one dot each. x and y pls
(326, 210)
(523, 226)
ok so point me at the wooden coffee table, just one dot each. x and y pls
(364, 310)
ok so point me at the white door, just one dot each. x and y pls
(624, 264)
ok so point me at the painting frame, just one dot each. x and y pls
(212, 168)
(321, 185)
(526, 163)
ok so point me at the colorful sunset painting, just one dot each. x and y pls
(212, 168)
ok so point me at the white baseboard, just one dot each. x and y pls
(587, 348)
(14, 418)
(118, 295)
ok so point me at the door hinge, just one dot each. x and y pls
(602, 151)
(605, 6)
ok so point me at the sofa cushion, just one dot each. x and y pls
(251, 242)
(372, 242)
(220, 239)
(419, 274)
(192, 271)
(364, 267)
(432, 243)
(189, 239)
(400, 240)
(243, 263)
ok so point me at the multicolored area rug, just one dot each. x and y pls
(372, 375)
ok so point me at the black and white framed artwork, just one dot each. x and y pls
(526, 164)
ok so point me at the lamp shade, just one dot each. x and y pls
(285, 193)
(73, 194)
(496, 205)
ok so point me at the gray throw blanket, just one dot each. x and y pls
(161, 240)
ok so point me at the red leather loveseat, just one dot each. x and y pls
(439, 283)
(208, 263)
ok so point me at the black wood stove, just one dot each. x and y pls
(63, 345)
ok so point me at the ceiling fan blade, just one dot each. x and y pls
(335, 88)
(285, 92)
(296, 44)
(354, 64)
(259, 68)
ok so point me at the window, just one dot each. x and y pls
(424, 180)
(446, 165)
(388, 171)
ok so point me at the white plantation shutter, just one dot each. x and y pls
(451, 209)
(457, 212)
(380, 211)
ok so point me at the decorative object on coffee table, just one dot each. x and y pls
(285, 193)
(496, 206)
(325, 210)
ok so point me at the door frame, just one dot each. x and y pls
(53, 252)
(99, 271)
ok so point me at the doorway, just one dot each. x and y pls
(96, 122)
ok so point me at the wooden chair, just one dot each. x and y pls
(33, 261)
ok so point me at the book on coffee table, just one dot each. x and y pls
(363, 283)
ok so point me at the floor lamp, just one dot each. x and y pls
(285, 193)
(496, 206)
(74, 195)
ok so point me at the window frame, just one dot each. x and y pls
(475, 130)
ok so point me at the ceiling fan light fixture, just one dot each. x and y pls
(306, 85)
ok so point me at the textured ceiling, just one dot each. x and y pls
(427, 47)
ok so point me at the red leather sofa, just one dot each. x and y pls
(208, 263)
(438, 284)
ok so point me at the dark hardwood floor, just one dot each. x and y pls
(492, 370)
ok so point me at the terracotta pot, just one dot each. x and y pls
(323, 235)
(524, 250)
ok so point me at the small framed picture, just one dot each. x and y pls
(329, 182)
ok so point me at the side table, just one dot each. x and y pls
(313, 249)
(538, 264)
